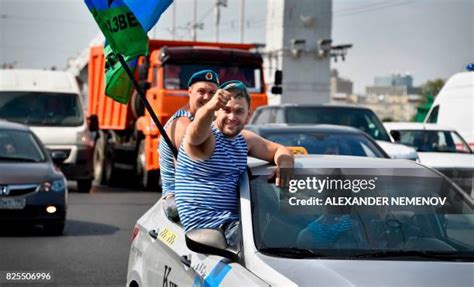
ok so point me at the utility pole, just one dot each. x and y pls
(218, 5)
(173, 21)
(194, 25)
(242, 20)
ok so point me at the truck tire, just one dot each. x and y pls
(110, 172)
(84, 185)
(99, 160)
(147, 180)
(136, 105)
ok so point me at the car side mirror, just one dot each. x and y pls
(58, 157)
(277, 82)
(277, 90)
(396, 135)
(93, 123)
(209, 241)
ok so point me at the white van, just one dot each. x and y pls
(454, 105)
(49, 102)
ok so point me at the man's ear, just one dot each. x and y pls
(190, 89)
(249, 116)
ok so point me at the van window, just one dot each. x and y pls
(433, 116)
(41, 108)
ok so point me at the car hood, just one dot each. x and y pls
(26, 173)
(398, 151)
(57, 135)
(334, 273)
(446, 160)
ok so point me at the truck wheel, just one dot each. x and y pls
(148, 180)
(84, 185)
(136, 105)
(110, 172)
(98, 160)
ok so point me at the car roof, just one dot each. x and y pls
(416, 126)
(344, 106)
(7, 125)
(282, 128)
(338, 161)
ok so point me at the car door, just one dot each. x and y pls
(163, 257)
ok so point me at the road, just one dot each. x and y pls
(94, 248)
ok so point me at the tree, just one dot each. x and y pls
(433, 87)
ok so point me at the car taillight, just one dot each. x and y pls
(135, 232)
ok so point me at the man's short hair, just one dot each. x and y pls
(238, 87)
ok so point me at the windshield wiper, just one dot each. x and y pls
(437, 255)
(292, 252)
(18, 159)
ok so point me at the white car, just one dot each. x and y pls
(439, 147)
(357, 117)
(432, 246)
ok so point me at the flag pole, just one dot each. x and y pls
(141, 92)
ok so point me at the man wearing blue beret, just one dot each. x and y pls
(202, 86)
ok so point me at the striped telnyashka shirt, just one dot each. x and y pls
(167, 169)
(206, 190)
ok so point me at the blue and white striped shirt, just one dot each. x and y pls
(206, 190)
(167, 169)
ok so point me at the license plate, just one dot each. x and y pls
(12, 203)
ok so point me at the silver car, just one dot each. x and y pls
(298, 245)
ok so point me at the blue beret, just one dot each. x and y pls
(234, 85)
(204, 76)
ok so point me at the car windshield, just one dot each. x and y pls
(177, 75)
(19, 146)
(41, 108)
(434, 141)
(426, 216)
(362, 119)
(327, 143)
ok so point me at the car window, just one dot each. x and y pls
(433, 116)
(362, 119)
(347, 230)
(327, 143)
(461, 145)
(41, 108)
(262, 117)
(434, 141)
(19, 146)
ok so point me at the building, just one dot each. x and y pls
(393, 97)
(340, 85)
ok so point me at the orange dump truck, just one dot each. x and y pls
(128, 139)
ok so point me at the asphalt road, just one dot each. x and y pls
(94, 248)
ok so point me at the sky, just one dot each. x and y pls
(427, 38)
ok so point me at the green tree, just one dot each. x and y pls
(433, 87)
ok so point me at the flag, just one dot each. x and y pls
(118, 84)
(121, 28)
(124, 24)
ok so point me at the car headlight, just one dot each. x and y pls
(54, 186)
